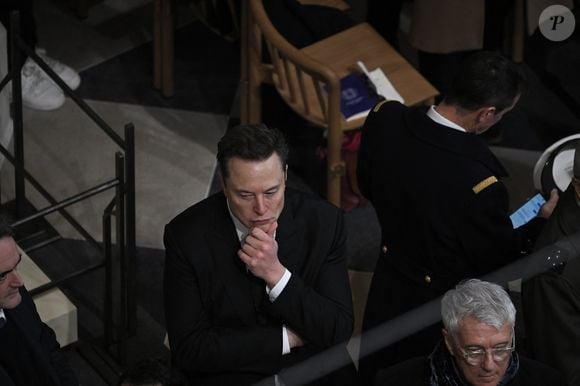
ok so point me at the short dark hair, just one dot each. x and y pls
(150, 371)
(5, 227)
(486, 78)
(252, 143)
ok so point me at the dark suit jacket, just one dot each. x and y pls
(440, 221)
(222, 328)
(48, 359)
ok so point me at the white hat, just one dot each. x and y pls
(555, 167)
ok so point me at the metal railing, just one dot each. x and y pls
(118, 255)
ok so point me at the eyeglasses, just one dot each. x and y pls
(475, 357)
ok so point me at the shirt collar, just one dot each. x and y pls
(435, 116)
(241, 229)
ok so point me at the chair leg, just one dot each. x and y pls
(336, 168)
(253, 47)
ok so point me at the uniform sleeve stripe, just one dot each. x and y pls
(484, 184)
(378, 106)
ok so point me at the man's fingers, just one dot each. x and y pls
(272, 229)
(246, 259)
(554, 197)
(547, 209)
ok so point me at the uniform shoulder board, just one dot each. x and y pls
(378, 105)
(484, 184)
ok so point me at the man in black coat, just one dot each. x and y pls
(478, 346)
(436, 188)
(551, 300)
(255, 276)
(30, 354)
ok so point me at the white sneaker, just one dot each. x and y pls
(38, 91)
(67, 74)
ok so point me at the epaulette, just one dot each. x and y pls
(378, 106)
(484, 184)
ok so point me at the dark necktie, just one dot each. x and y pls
(2, 321)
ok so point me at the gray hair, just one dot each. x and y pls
(487, 302)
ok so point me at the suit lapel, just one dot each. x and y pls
(24, 318)
(287, 237)
(225, 245)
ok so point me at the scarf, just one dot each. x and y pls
(444, 372)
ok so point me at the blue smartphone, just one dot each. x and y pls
(527, 211)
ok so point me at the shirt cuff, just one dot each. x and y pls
(285, 341)
(279, 287)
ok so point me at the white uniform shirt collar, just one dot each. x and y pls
(435, 116)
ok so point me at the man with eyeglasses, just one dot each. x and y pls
(30, 353)
(478, 345)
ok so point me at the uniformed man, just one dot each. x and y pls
(442, 207)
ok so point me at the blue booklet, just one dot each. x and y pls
(356, 97)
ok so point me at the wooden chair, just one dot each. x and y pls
(308, 79)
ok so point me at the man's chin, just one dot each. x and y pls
(12, 301)
(486, 381)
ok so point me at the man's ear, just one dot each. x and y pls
(447, 338)
(484, 114)
(286, 172)
(222, 182)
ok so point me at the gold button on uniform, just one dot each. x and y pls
(384, 249)
(427, 279)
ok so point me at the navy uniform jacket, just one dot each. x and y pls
(442, 208)
(48, 359)
(222, 328)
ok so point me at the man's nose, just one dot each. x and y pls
(488, 362)
(260, 205)
(16, 279)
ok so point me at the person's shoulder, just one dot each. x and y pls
(532, 372)
(389, 106)
(409, 372)
(200, 211)
(386, 110)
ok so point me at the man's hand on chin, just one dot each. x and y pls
(259, 253)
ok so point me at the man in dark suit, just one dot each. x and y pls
(255, 275)
(30, 354)
(436, 188)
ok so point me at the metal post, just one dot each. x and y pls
(130, 238)
(108, 254)
(120, 248)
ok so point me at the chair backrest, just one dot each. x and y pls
(309, 87)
